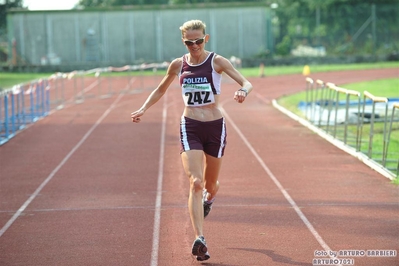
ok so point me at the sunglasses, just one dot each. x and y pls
(197, 41)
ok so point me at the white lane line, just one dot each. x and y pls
(52, 174)
(158, 201)
(278, 184)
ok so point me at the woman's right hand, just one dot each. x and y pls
(135, 116)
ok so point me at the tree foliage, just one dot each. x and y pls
(4, 7)
(342, 26)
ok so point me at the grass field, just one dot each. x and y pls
(7, 80)
(383, 88)
(285, 70)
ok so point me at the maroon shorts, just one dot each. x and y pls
(209, 136)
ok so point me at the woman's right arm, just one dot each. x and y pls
(172, 72)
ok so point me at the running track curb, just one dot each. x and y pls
(362, 157)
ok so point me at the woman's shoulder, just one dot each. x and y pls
(220, 62)
(176, 64)
(218, 57)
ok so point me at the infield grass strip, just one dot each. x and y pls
(8, 80)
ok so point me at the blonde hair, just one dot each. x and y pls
(194, 24)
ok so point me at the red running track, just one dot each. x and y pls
(85, 186)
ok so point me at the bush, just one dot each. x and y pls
(284, 47)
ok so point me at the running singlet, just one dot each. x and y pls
(200, 82)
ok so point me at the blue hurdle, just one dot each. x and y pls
(22, 105)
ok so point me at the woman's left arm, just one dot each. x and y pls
(221, 64)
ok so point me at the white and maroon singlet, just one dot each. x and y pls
(200, 83)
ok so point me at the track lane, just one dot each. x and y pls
(252, 223)
(95, 200)
(235, 229)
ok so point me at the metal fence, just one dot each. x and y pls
(367, 123)
(100, 38)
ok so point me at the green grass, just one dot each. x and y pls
(286, 70)
(383, 88)
(7, 80)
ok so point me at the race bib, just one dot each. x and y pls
(198, 94)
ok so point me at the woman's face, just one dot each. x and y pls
(195, 41)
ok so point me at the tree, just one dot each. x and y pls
(336, 24)
(6, 5)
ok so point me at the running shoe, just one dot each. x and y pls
(200, 250)
(205, 257)
(207, 204)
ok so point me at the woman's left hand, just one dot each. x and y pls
(240, 96)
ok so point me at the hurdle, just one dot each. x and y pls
(321, 86)
(337, 92)
(26, 103)
(22, 105)
(56, 82)
(385, 155)
(372, 121)
(309, 98)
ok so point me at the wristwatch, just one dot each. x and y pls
(244, 90)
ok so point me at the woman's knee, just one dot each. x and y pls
(196, 184)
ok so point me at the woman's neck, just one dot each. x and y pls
(196, 60)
